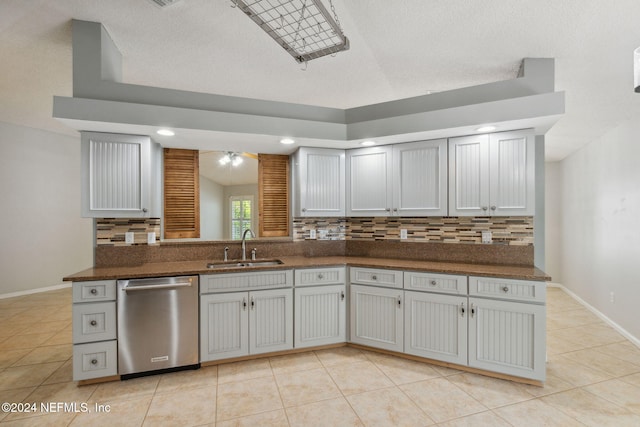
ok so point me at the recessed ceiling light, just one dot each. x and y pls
(287, 141)
(486, 129)
(165, 132)
(368, 143)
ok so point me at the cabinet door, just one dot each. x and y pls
(469, 175)
(321, 187)
(420, 178)
(376, 317)
(507, 337)
(369, 181)
(116, 175)
(436, 326)
(319, 315)
(270, 320)
(512, 174)
(224, 326)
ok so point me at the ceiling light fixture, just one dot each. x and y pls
(287, 141)
(486, 129)
(368, 143)
(304, 28)
(230, 157)
(165, 132)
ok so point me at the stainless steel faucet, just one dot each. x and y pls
(244, 245)
(226, 254)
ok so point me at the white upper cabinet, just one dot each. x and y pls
(118, 176)
(403, 179)
(492, 174)
(369, 181)
(319, 182)
(420, 178)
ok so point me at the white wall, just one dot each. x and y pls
(553, 210)
(42, 235)
(211, 209)
(601, 224)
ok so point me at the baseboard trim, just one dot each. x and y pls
(634, 340)
(36, 291)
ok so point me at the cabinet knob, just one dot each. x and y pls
(505, 289)
(387, 209)
(399, 301)
(433, 283)
(395, 209)
(93, 323)
(374, 277)
(94, 361)
(320, 276)
(145, 210)
(484, 208)
(493, 208)
(93, 291)
(342, 296)
(304, 209)
(462, 310)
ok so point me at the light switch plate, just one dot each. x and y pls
(403, 233)
(323, 234)
(312, 233)
(128, 237)
(151, 238)
(486, 237)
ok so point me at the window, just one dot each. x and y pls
(241, 215)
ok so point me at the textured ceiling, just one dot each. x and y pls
(399, 49)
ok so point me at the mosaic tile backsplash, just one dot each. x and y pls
(504, 230)
(110, 231)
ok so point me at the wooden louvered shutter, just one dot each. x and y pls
(273, 193)
(181, 194)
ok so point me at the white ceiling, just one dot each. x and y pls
(399, 49)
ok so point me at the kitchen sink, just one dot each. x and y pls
(244, 264)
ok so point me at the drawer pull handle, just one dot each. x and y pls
(505, 289)
(374, 277)
(93, 291)
(94, 361)
(93, 323)
(433, 283)
(320, 276)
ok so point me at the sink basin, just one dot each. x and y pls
(244, 264)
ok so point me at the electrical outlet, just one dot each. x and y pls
(612, 297)
(128, 237)
(151, 238)
(486, 237)
(323, 234)
(403, 233)
(312, 233)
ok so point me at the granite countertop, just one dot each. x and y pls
(180, 268)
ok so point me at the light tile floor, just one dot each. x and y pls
(593, 379)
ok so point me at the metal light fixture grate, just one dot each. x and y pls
(304, 28)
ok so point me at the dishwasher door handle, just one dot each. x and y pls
(156, 287)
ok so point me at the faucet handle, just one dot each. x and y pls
(226, 251)
(253, 254)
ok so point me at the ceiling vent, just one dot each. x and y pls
(164, 3)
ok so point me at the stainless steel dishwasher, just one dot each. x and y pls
(157, 325)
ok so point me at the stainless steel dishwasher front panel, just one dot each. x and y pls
(157, 323)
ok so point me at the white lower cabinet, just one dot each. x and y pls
(377, 317)
(436, 326)
(320, 313)
(241, 323)
(507, 337)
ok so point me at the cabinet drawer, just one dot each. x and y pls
(443, 283)
(94, 322)
(319, 276)
(95, 360)
(101, 290)
(508, 289)
(376, 276)
(225, 282)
